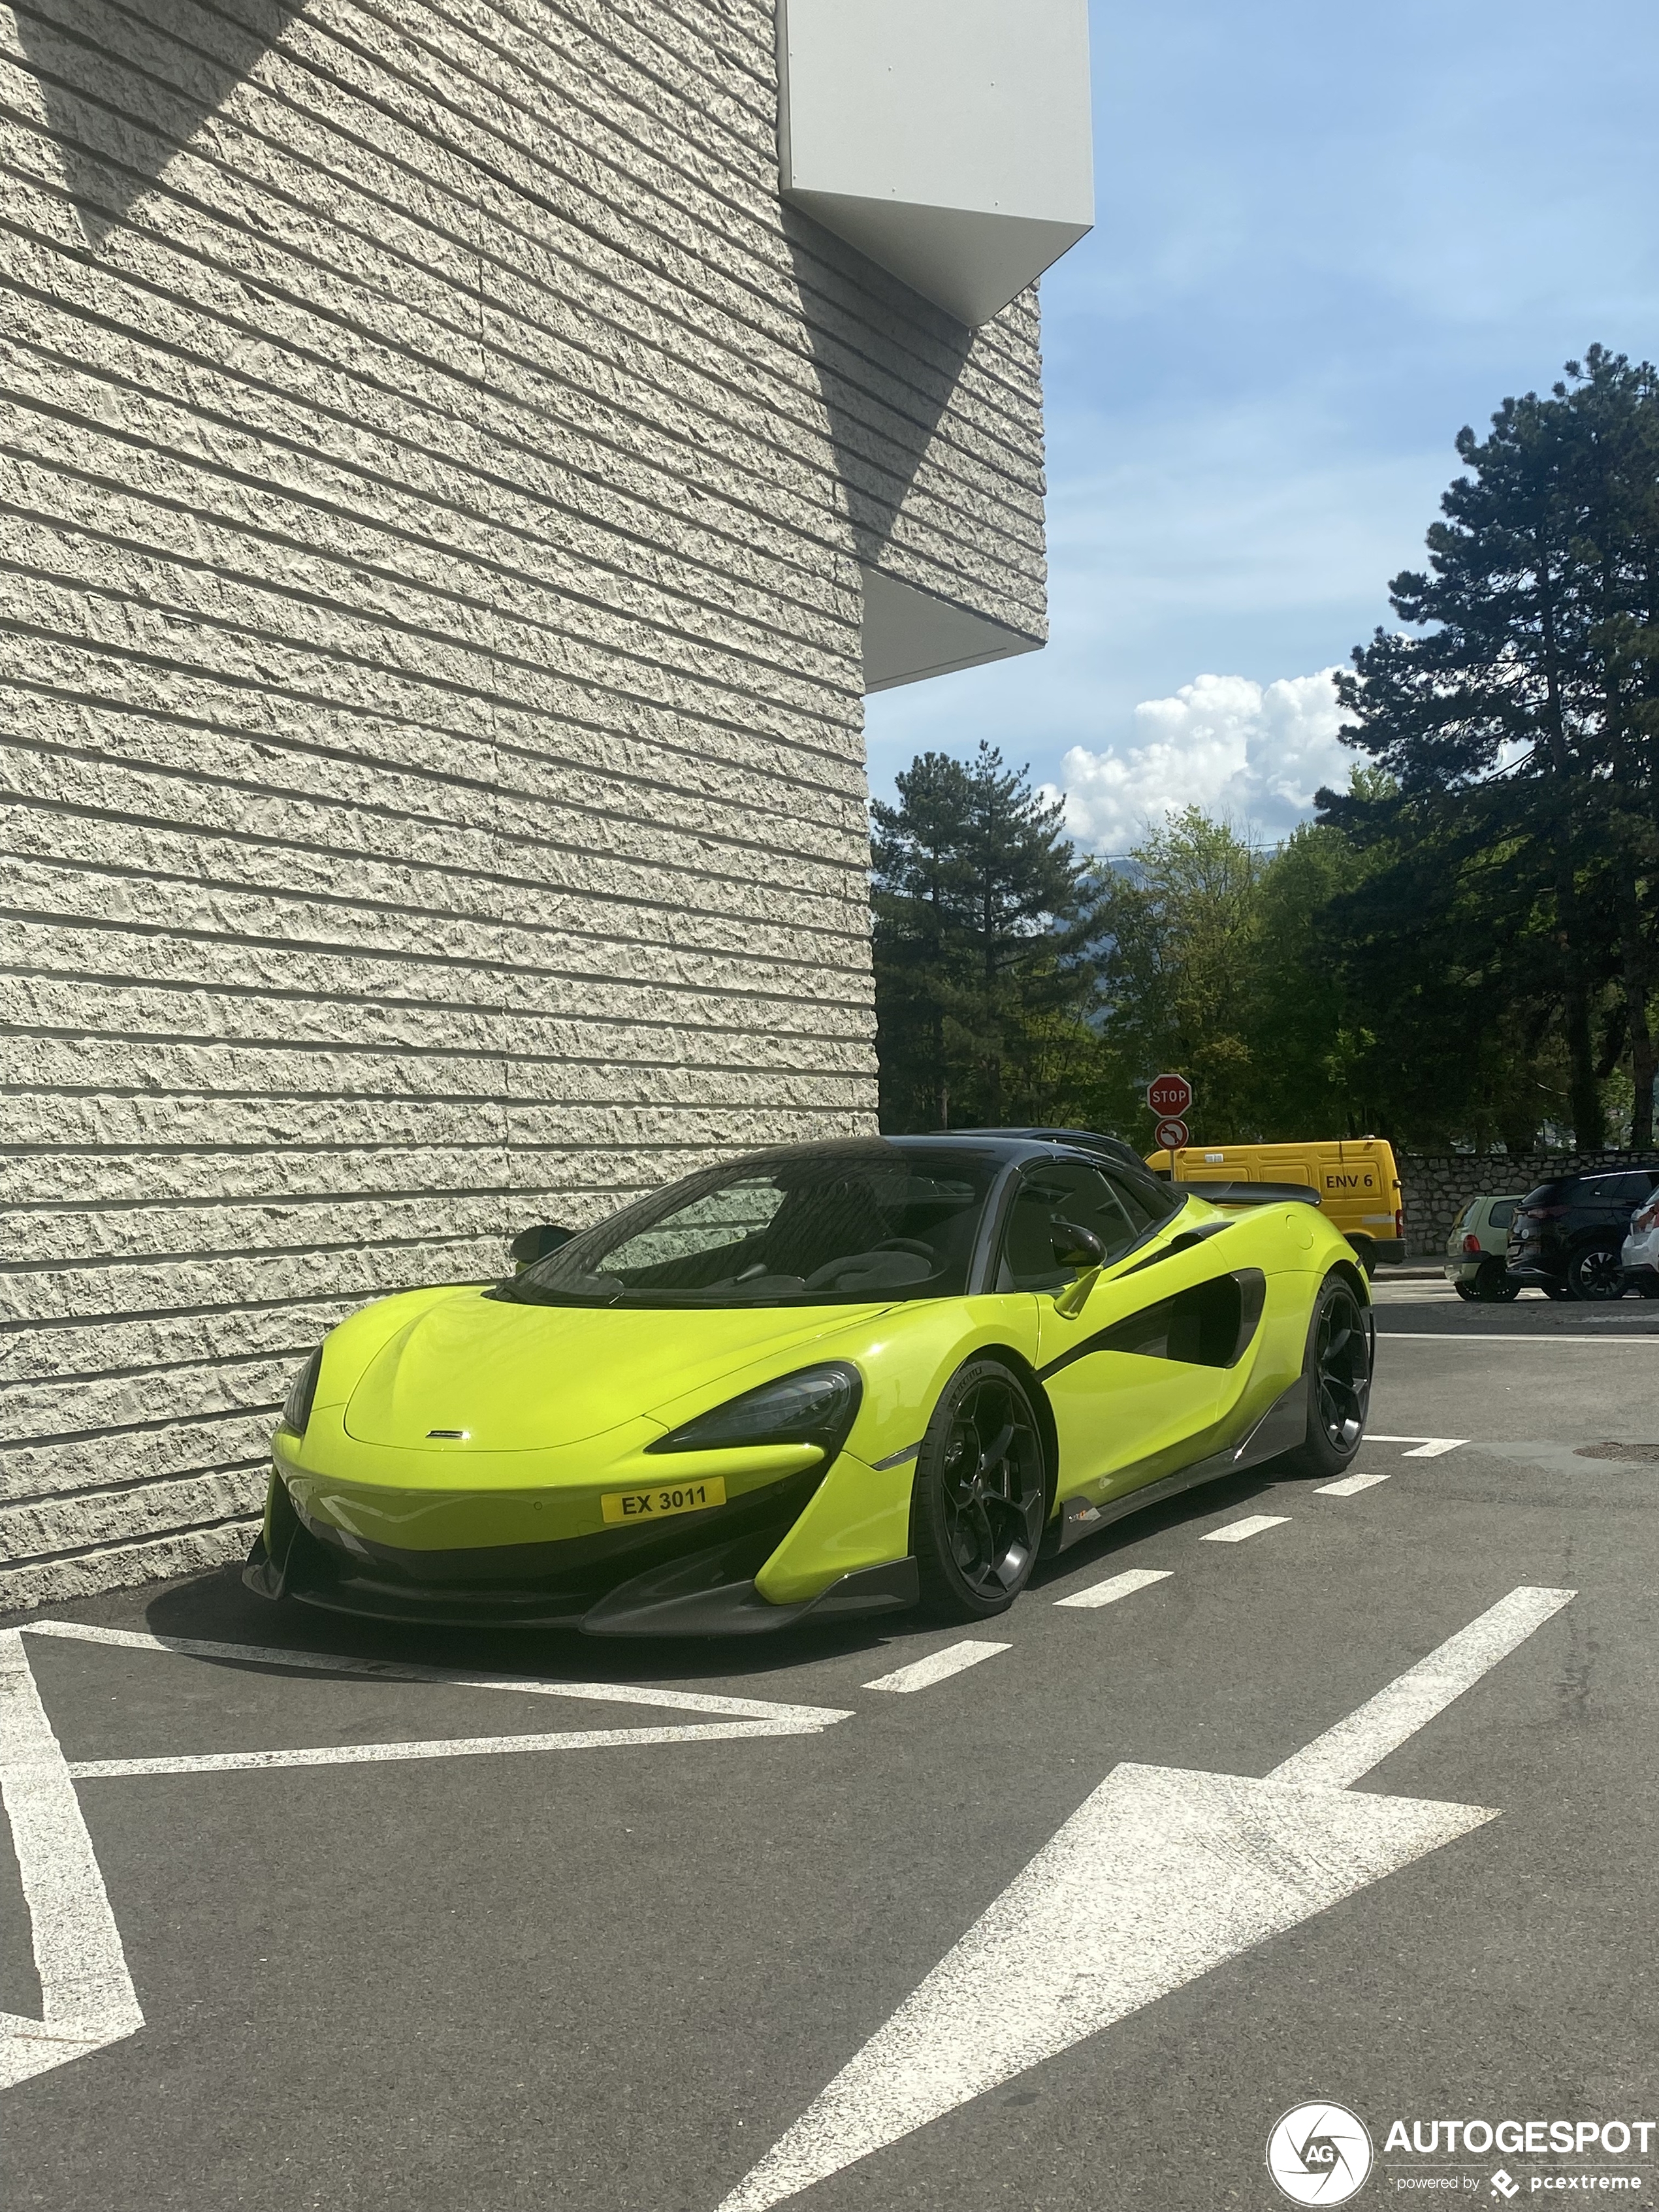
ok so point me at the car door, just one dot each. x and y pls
(1139, 1372)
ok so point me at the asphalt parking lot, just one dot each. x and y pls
(1065, 1919)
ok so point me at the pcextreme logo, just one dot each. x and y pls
(1319, 2153)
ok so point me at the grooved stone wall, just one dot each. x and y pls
(434, 471)
(1437, 1186)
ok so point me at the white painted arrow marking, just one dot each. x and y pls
(86, 1994)
(1159, 1876)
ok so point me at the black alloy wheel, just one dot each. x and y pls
(1493, 1284)
(1340, 1361)
(1595, 1274)
(978, 1509)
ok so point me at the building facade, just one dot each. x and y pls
(453, 506)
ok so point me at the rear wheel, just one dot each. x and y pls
(1340, 1356)
(1595, 1274)
(1467, 1292)
(1493, 1285)
(977, 1509)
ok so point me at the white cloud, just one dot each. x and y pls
(1252, 751)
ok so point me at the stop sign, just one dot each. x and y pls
(1169, 1094)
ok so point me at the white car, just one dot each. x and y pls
(1640, 1257)
(1475, 1248)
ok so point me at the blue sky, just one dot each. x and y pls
(1326, 238)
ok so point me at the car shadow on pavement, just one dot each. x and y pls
(216, 1609)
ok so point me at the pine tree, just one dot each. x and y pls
(983, 988)
(1528, 713)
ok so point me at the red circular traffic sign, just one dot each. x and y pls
(1171, 1135)
(1169, 1094)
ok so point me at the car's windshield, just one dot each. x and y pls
(823, 1225)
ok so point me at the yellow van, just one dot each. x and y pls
(1356, 1178)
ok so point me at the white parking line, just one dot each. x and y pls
(392, 1670)
(1251, 1525)
(86, 1994)
(1508, 1336)
(1427, 1447)
(1350, 1485)
(938, 1666)
(460, 1746)
(1117, 1586)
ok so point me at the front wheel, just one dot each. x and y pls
(977, 1508)
(1338, 1365)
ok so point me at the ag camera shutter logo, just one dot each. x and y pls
(1319, 2154)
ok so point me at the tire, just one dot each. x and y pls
(1493, 1285)
(1338, 1364)
(980, 1495)
(1467, 1292)
(1593, 1274)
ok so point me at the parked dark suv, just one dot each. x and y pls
(1566, 1236)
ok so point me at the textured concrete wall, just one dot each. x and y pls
(433, 472)
(1437, 1186)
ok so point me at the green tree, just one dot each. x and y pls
(1179, 950)
(984, 988)
(1525, 717)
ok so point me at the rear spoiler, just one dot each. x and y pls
(1249, 1194)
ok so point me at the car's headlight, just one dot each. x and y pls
(815, 1406)
(296, 1407)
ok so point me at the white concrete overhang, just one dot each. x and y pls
(909, 634)
(950, 140)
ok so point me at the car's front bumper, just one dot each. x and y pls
(692, 1575)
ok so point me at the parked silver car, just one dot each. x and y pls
(1474, 1250)
(1640, 1256)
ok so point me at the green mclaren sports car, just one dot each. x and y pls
(816, 1383)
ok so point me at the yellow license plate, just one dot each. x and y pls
(664, 1499)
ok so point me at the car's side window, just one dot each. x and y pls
(1146, 1201)
(1503, 1212)
(1083, 1197)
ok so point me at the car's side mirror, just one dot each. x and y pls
(533, 1244)
(1074, 1246)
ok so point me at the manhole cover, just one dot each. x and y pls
(1649, 1454)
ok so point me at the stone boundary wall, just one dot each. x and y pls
(1438, 1185)
(434, 471)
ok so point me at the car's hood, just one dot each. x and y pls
(527, 1377)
